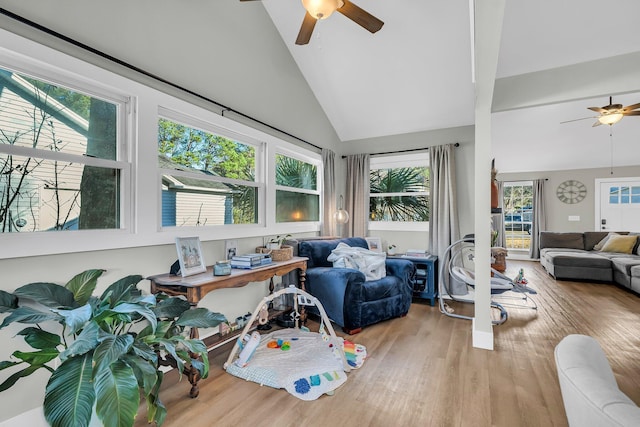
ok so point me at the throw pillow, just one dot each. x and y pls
(621, 244)
(598, 246)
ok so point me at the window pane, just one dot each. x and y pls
(297, 207)
(398, 204)
(399, 208)
(195, 202)
(295, 173)
(635, 194)
(40, 115)
(46, 195)
(518, 215)
(205, 151)
(614, 195)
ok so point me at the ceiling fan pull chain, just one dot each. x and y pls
(611, 144)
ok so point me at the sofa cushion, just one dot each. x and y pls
(594, 238)
(623, 264)
(578, 259)
(549, 239)
(620, 244)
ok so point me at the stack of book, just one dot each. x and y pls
(249, 261)
(415, 253)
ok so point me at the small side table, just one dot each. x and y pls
(426, 276)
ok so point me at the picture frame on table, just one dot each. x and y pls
(190, 256)
(374, 243)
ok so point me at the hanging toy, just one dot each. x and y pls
(520, 278)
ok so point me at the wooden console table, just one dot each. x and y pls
(194, 288)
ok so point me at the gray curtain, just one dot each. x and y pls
(498, 220)
(357, 195)
(329, 227)
(444, 228)
(539, 218)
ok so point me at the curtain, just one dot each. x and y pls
(498, 220)
(329, 227)
(444, 228)
(538, 218)
(357, 194)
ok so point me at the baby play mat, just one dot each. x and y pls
(308, 368)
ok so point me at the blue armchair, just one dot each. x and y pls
(348, 299)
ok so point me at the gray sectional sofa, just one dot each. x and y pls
(571, 256)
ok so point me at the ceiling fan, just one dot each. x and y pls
(322, 9)
(612, 113)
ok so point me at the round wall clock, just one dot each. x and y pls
(571, 191)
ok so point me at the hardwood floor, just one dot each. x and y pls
(423, 371)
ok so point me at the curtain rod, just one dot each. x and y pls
(409, 150)
(144, 72)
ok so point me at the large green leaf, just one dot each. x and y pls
(111, 349)
(28, 315)
(75, 319)
(128, 308)
(49, 294)
(7, 364)
(38, 338)
(83, 285)
(69, 395)
(144, 351)
(202, 366)
(156, 411)
(200, 318)
(9, 382)
(117, 395)
(86, 341)
(171, 308)
(145, 372)
(8, 301)
(39, 357)
(122, 290)
(170, 347)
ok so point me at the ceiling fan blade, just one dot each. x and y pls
(631, 113)
(575, 120)
(597, 123)
(308, 24)
(631, 107)
(598, 109)
(360, 17)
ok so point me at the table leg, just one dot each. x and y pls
(302, 277)
(193, 375)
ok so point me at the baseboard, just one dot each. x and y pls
(482, 339)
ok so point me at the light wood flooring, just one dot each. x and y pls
(423, 371)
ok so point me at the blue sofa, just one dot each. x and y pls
(348, 299)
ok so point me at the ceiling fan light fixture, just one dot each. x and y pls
(610, 119)
(321, 9)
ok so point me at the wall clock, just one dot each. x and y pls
(571, 191)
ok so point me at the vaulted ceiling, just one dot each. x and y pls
(415, 74)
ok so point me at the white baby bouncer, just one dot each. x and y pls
(457, 283)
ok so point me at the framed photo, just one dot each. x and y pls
(190, 256)
(375, 243)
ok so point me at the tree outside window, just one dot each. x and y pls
(208, 179)
(297, 194)
(399, 194)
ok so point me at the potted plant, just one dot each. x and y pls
(109, 347)
(277, 242)
(391, 249)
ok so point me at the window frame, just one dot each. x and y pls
(305, 156)
(259, 184)
(400, 161)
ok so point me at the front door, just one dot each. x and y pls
(619, 204)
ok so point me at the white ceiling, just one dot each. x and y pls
(415, 73)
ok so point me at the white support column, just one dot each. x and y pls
(488, 28)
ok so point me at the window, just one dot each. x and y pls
(297, 193)
(399, 191)
(518, 214)
(60, 166)
(624, 195)
(207, 178)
